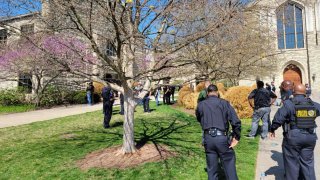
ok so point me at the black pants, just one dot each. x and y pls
(107, 111)
(167, 98)
(172, 94)
(145, 102)
(218, 148)
(297, 149)
(121, 107)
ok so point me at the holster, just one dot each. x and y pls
(213, 132)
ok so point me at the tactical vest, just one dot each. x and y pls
(305, 114)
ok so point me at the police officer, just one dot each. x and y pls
(108, 100)
(263, 99)
(145, 102)
(286, 89)
(286, 92)
(164, 97)
(214, 115)
(121, 104)
(298, 115)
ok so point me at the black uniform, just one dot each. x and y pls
(215, 114)
(145, 102)
(298, 115)
(121, 104)
(108, 100)
(164, 97)
(172, 90)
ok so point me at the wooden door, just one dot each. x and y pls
(293, 74)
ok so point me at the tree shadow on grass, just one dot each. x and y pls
(180, 135)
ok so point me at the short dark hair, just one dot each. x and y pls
(212, 88)
(260, 84)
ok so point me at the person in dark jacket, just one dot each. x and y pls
(121, 104)
(273, 87)
(215, 115)
(268, 87)
(164, 96)
(172, 91)
(145, 102)
(108, 100)
(297, 116)
(168, 95)
(286, 90)
(263, 99)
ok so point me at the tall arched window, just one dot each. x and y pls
(290, 26)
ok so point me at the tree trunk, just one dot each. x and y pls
(37, 101)
(128, 124)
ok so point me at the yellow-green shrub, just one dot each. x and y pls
(190, 100)
(238, 97)
(201, 86)
(221, 88)
(98, 87)
(183, 92)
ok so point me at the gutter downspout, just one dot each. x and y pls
(307, 47)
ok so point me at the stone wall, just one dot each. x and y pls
(298, 57)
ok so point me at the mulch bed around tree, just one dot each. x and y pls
(111, 158)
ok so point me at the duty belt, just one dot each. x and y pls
(214, 132)
(308, 130)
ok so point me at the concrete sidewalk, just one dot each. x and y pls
(17, 119)
(270, 161)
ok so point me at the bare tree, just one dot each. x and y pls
(136, 39)
(243, 48)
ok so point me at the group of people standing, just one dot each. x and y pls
(108, 96)
(168, 92)
(296, 115)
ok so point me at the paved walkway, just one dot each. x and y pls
(17, 119)
(270, 162)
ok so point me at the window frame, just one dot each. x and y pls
(298, 39)
(25, 81)
(28, 27)
(110, 50)
(3, 38)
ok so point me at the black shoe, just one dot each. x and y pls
(106, 126)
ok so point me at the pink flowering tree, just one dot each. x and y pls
(45, 59)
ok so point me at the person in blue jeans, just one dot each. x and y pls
(263, 99)
(90, 90)
(157, 95)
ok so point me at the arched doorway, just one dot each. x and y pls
(292, 73)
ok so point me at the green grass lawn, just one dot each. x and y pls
(39, 151)
(16, 109)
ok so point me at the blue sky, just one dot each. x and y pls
(18, 7)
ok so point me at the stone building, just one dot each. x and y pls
(17, 27)
(22, 24)
(295, 26)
